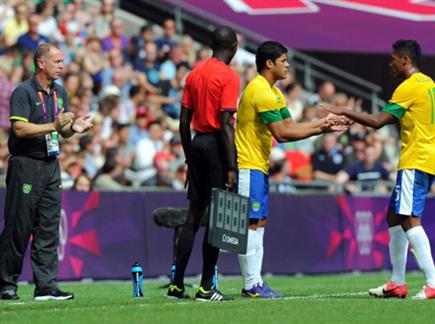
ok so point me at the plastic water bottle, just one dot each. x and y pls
(214, 280)
(136, 279)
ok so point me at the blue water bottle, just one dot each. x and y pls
(214, 280)
(136, 279)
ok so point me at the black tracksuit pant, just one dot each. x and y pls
(33, 202)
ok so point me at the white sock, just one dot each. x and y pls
(398, 253)
(259, 255)
(248, 261)
(421, 248)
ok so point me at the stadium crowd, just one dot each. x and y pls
(132, 87)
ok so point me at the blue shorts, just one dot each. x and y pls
(255, 185)
(409, 195)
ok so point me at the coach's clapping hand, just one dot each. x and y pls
(63, 119)
(82, 124)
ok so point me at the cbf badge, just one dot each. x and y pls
(52, 141)
(59, 103)
(27, 188)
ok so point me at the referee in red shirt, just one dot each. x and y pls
(210, 99)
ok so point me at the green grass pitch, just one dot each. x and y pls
(309, 299)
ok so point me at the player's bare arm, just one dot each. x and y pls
(287, 130)
(376, 120)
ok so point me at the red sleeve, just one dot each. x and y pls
(187, 97)
(230, 93)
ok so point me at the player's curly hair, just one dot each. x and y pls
(269, 50)
(410, 48)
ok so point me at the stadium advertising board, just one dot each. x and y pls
(325, 25)
(103, 233)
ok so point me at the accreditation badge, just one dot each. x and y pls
(52, 141)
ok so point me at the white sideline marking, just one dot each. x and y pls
(324, 296)
(190, 302)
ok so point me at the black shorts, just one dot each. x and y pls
(208, 166)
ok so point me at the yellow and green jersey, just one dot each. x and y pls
(413, 103)
(260, 105)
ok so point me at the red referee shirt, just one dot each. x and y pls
(210, 88)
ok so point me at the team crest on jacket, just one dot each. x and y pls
(27, 188)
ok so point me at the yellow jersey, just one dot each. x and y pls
(413, 103)
(260, 105)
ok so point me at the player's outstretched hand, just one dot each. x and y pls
(337, 123)
(332, 109)
(82, 124)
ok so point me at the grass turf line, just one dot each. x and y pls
(309, 299)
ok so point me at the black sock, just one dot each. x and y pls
(186, 238)
(209, 256)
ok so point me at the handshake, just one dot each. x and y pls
(335, 123)
(65, 121)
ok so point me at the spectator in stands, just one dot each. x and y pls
(354, 148)
(109, 107)
(188, 50)
(80, 19)
(93, 61)
(138, 129)
(128, 107)
(203, 54)
(16, 26)
(104, 18)
(168, 69)
(82, 183)
(295, 103)
(6, 88)
(175, 92)
(180, 176)
(279, 167)
(176, 150)
(161, 163)
(169, 38)
(328, 160)
(71, 82)
(32, 39)
(6, 13)
(126, 151)
(367, 172)
(243, 57)
(149, 64)
(117, 39)
(105, 179)
(115, 62)
(87, 147)
(71, 45)
(324, 93)
(48, 26)
(137, 50)
(147, 148)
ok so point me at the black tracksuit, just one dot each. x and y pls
(33, 197)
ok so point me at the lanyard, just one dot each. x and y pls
(44, 107)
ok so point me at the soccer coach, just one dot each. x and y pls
(39, 113)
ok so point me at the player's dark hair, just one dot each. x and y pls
(410, 48)
(269, 50)
(223, 38)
